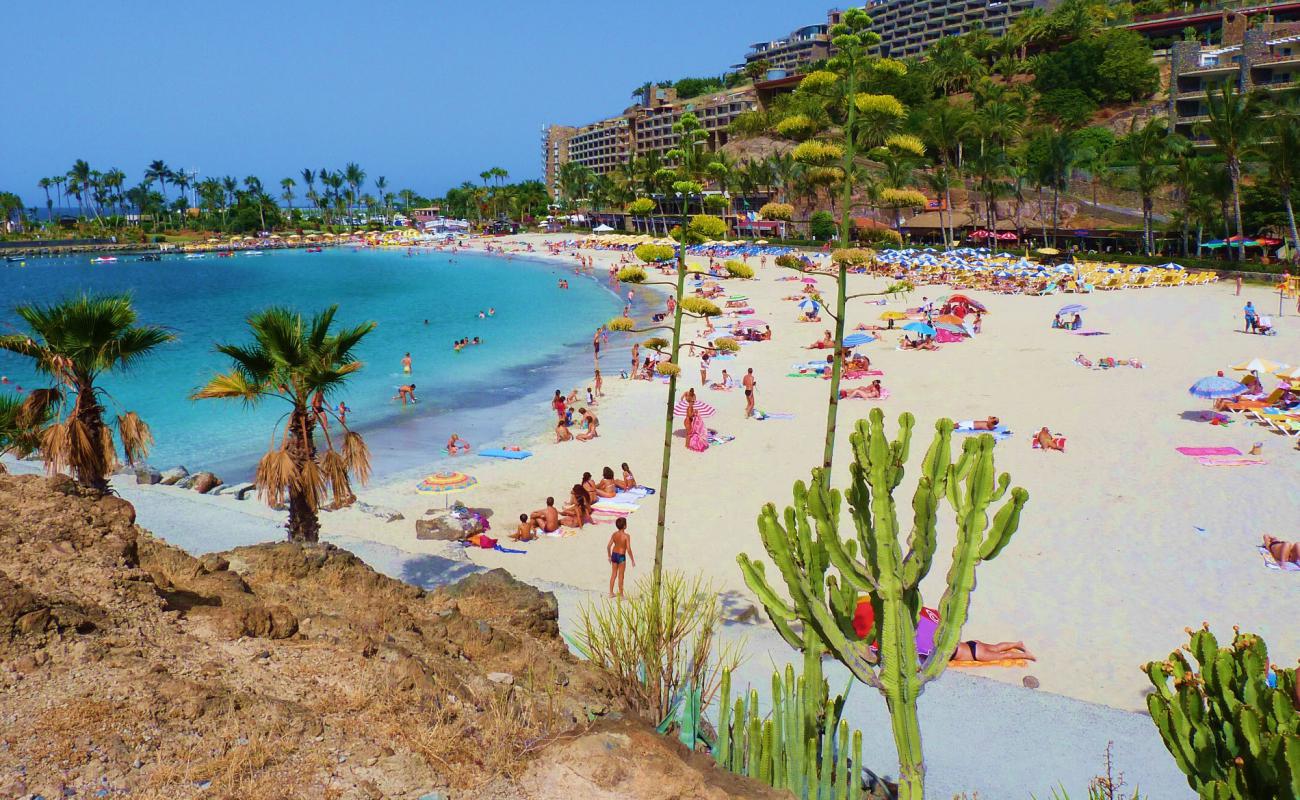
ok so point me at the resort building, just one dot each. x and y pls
(1210, 20)
(802, 47)
(1261, 56)
(909, 27)
(644, 128)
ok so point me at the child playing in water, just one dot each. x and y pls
(619, 551)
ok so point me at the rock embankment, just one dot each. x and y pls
(129, 668)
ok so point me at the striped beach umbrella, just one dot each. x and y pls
(445, 483)
(702, 408)
(855, 339)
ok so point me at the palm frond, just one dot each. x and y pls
(335, 473)
(320, 327)
(311, 483)
(230, 386)
(275, 477)
(136, 437)
(356, 455)
(252, 361)
(279, 333)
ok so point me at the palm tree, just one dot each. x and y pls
(1281, 152)
(1145, 152)
(75, 342)
(1232, 125)
(287, 184)
(160, 172)
(59, 181)
(381, 183)
(79, 183)
(942, 127)
(300, 362)
(113, 181)
(356, 177)
(45, 184)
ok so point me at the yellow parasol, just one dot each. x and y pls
(893, 315)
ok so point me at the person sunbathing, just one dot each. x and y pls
(527, 530)
(872, 392)
(578, 511)
(546, 519)
(979, 424)
(590, 424)
(628, 481)
(727, 383)
(1282, 551)
(1046, 441)
(859, 362)
(823, 343)
(562, 433)
(608, 486)
(975, 650)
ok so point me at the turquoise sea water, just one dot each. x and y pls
(538, 340)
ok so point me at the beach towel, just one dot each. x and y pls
(1273, 563)
(762, 415)
(497, 452)
(629, 497)
(561, 533)
(1060, 442)
(803, 375)
(501, 549)
(1208, 451)
(720, 438)
(1006, 662)
(1090, 333)
(1230, 461)
(608, 506)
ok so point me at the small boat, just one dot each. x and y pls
(226, 254)
(253, 252)
(313, 249)
(104, 260)
(150, 257)
(14, 259)
(195, 255)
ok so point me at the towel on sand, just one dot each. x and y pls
(762, 415)
(1208, 451)
(1230, 461)
(562, 533)
(1273, 563)
(1000, 432)
(1006, 662)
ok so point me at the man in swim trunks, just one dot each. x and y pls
(406, 364)
(619, 551)
(750, 385)
(405, 393)
(547, 519)
(527, 530)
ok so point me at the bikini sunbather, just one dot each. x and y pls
(1047, 441)
(979, 424)
(578, 512)
(872, 392)
(629, 480)
(975, 650)
(1282, 551)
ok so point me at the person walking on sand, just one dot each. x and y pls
(636, 353)
(406, 364)
(600, 392)
(704, 368)
(619, 552)
(1252, 316)
(750, 385)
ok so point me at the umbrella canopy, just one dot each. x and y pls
(855, 339)
(893, 315)
(809, 304)
(445, 483)
(809, 280)
(702, 408)
(1260, 365)
(961, 298)
(951, 328)
(1214, 387)
(919, 327)
(1073, 308)
(1292, 374)
(602, 229)
(951, 319)
(1049, 251)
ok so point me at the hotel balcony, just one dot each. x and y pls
(1214, 69)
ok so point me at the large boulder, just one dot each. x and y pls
(440, 527)
(147, 475)
(171, 476)
(205, 482)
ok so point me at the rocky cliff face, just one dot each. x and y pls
(129, 668)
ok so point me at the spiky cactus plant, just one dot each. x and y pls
(1230, 732)
(876, 563)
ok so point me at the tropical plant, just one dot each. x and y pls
(1280, 151)
(874, 563)
(1232, 123)
(21, 425)
(300, 362)
(1143, 158)
(1232, 728)
(660, 644)
(76, 342)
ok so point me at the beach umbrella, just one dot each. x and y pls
(1215, 386)
(893, 315)
(951, 328)
(809, 305)
(1260, 365)
(445, 483)
(919, 327)
(855, 339)
(702, 408)
(1292, 374)
(951, 319)
(809, 280)
(1073, 308)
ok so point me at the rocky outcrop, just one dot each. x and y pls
(129, 667)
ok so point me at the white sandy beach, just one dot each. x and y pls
(1123, 544)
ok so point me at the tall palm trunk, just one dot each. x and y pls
(1234, 174)
(1290, 221)
(92, 465)
(841, 276)
(662, 521)
(304, 526)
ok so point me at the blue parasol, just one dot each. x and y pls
(1215, 387)
(919, 327)
(855, 339)
(1073, 308)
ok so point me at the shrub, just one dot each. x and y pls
(632, 275)
(821, 225)
(700, 306)
(777, 211)
(668, 369)
(656, 645)
(881, 105)
(653, 253)
(641, 206)
(905, 142)
(716, 202)
(881, 237)
(797, 126)
(902, 198)
(739, 269)
(817, 153)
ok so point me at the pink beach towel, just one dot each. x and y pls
(1208, 451)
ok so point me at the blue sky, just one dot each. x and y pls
(427, 93)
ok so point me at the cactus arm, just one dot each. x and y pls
(723, 744)
(1005, 523)
(776, 608)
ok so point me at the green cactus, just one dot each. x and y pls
(1232, 734)
(779, 750)
(873, 562)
